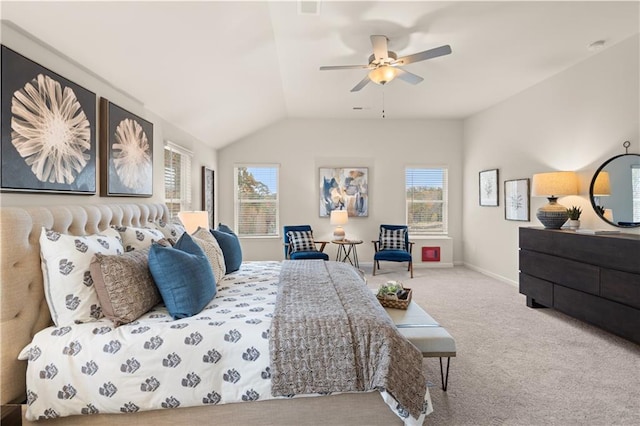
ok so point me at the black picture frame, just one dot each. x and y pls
(208, 193)
(488, 188)
(517, 200)
(31, 137)
(125, 172)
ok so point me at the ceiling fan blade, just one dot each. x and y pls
(343, 67)
(362, 83)
(380, 47)
(407, 76)
(421, 56)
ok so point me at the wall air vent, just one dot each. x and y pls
(308, 7)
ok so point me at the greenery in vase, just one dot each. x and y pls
(574, 213)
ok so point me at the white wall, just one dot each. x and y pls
(162, 130)
(572, 121)
(302, 146)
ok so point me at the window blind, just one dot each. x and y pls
(426, 200)
(177, 178)
(256, 200)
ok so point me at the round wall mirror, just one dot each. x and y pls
(615, 191)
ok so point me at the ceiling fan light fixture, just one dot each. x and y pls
(383, 74)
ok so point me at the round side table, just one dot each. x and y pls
(347, 251)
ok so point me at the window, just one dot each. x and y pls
(256, 200)
(427, 200)
(177, 178)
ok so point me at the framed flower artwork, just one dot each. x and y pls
(48, 130)
(126, 153)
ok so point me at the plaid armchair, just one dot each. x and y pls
(299, 243)
(393, 245)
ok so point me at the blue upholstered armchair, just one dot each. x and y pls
(299, 243)
(393, 245)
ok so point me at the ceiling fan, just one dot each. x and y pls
(384, 65)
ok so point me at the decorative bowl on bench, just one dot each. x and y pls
(394, 295)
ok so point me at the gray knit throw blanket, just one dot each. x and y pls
(330, 334)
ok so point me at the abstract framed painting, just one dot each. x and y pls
(488, 188)
(516, 200)
(48, 141)
(208, 192)
(344, 188)
(126, 153)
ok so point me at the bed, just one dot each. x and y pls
(25, 314)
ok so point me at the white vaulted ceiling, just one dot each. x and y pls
(221, 70)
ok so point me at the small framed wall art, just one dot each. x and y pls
(126, 153)
(48, 130)
(488, 188)
(516, 200)
(208, 192)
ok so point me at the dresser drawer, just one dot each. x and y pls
(612, 316)
(540, 291)
(568, 273)
(620, 286)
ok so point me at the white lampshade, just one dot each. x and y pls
(339, 217)
(553, 215)
(553, 184)
(193, 220)
(602, 185)
(383, 74)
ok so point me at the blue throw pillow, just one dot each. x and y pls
(230, 245)
(224, 228)
(183, 276)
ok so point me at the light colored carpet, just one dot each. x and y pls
(517, 365)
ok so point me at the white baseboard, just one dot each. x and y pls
(491, 274)
(421, 265)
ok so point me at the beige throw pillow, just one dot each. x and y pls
(212, 250)
(124, 284)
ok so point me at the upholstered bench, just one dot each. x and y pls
(426, 334)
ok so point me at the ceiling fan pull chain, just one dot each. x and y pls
(383, 116)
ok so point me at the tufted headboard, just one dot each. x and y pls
(23, 308)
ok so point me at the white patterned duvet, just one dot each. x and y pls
(220, 355)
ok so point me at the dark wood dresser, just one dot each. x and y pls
(595, 278)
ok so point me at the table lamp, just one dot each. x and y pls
(194, 219)
(552, 185)
(339, 218)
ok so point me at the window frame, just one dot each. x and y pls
(237, 201)
(445, 200)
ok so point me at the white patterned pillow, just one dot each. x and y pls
(171, 231)
(392, 239)
(301, 241)
(138, 238)
(212, 250)
(68, 284)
